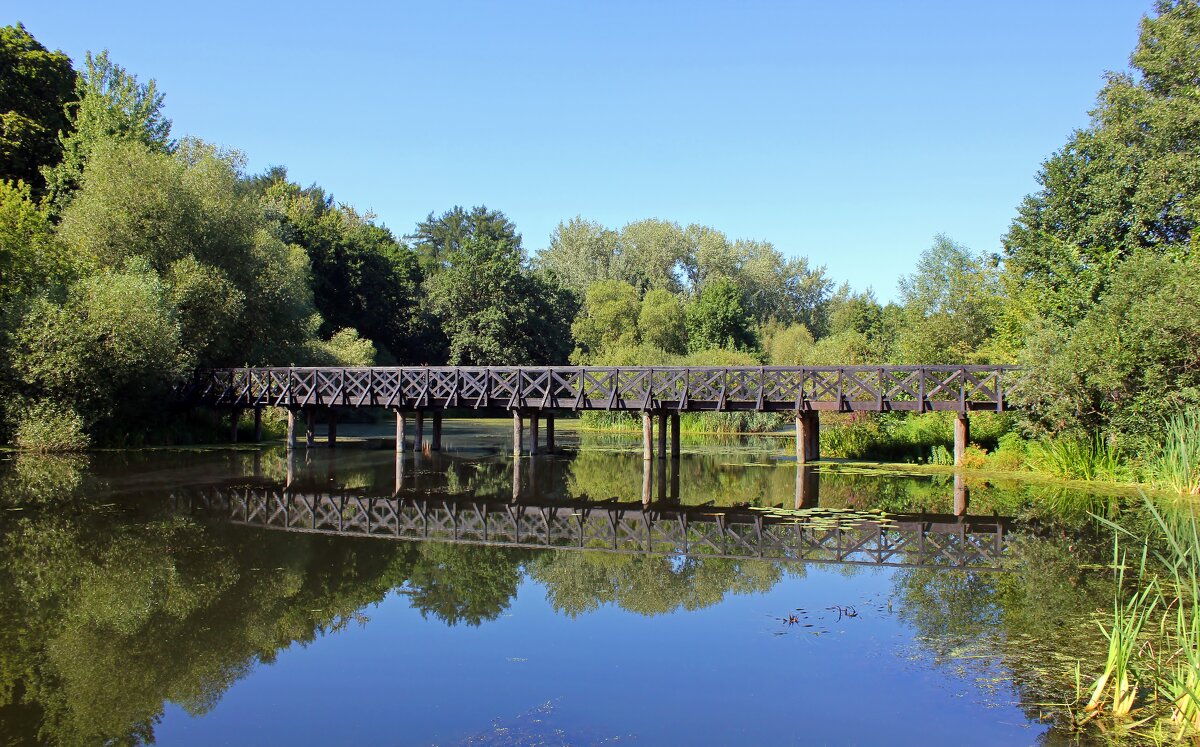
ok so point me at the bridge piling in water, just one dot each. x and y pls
(436, 436)
(647, 436)
(258, 425)
(808, 437)
(419, 432)
(550, 432)
(674, 435)
(518, 435)
(291, 429)
(235, 418)
(533, 433)
(331, 428)
(310, 428)
(962, 434)
(400, 429)
(662, 435)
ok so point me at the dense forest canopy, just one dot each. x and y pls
(130, 255)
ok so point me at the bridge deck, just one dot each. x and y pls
(640, 389)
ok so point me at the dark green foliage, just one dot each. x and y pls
(436, 238)
(362, 277)
(1131, 361)
(495, 310)
(717, 319)
(1125, 183)
(35, 87)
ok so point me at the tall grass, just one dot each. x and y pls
(1117, 685)
(1181, 556)
(1177, 465)
(1079, 458)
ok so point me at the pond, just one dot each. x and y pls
(236, 596)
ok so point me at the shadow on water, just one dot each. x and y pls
(133, 581)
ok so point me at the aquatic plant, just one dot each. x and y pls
(1117, 684)
(1177, 464)
(1079, 458)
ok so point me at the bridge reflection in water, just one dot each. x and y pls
(806, 533)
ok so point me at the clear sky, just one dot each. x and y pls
(847, 132)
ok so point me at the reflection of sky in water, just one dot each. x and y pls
(733, 673)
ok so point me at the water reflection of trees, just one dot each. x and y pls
(110, 609)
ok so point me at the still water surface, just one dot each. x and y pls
(229, 597)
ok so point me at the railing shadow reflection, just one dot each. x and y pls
(428, 499)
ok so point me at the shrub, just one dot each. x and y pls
(50, 427)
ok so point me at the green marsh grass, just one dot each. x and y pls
(1079, 458)
(1177, 465)
(1117, 685)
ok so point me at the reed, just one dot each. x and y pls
(1117, 685)
(1079, 458)
(1177, 464)
(1181, 556)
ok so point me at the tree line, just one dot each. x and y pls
(129, 257)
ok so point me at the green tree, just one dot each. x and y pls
(789, 346)
(662, 321)
(31, 257)
(244, 294)
(951, 306)
(111, 350)
(495, 311)
(608, 318)
(110, 105)
(362, 277)
(584, 252)
(657, 252)
(35, 87)
(437, 238)
(1130, 362)
(1122, 184)
(716, 318)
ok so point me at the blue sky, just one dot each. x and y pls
(849, 133)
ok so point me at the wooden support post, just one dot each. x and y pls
(533, 432)
(961, 495)
(291, 465)
(310, 428)
(674, 435)
(235, 419)
(962, 434)
(662, 435)
(647, 467)
(814, 436)
(662, 479)
(419, 432)
(437, 431)
(801, 437)
(518, 437)
(550, 433)
(400, 428)
(258, 425)
(291, 431)
(647, 438)
(331, 431)
(399, 471)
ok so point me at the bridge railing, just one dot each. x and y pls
(634, 388)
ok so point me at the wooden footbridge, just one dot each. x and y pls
(541, 392)
(811, 535)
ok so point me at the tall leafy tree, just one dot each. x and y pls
(951, 304)
(35, 87)
(584, 252)
(438, 237)
(717, 318)
(1126, 182)
(495, 310)
(362, 277)
(111, 105)
(608, 318)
